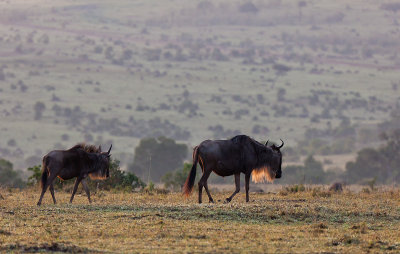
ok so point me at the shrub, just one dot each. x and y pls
(156, 156)
(381, 164)
(175, 180)
(119, 179)
(311, 173)
(34, 179)
(8, 176)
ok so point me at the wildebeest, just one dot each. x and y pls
(240, 154)
(79, 161)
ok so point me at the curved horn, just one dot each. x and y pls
(266, 143)
(109, 150)
(279, 147)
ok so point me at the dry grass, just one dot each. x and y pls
(136, 222)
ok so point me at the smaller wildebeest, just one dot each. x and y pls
(240, 154)
(79, 161)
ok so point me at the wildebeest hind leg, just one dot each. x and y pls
(86, 188)
(210, 199)
(78, 180)
(203, 182)
(237, 183)
(51, 188)
(46, 185)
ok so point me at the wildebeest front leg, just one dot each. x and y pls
(51, 188)
(86, 188)
(237, 183)
(78, 180)
(247, 180)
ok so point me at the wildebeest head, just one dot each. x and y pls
(103, 166)
(269, 164)
(276, 163)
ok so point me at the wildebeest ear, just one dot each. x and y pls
(109, 150)
(99, 148)
(266, 143)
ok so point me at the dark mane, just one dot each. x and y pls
(86, 147)
(239, 139)
(244, 139)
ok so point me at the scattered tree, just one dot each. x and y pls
(174, 180)
(39, 108)
(382, 163)
(8, 176)
(154, 157)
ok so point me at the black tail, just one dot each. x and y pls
(43, 179)
(188, 186)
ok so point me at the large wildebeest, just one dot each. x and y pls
(79, 161)
(240, 154)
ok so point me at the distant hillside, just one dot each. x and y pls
(318, 74)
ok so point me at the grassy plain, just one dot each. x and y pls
(304, 222)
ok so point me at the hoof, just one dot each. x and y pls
(227, 201)
(211, 201)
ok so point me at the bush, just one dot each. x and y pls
(118, 179)
(382, 164)
(175, 180)
(156, 156)
(8, 176)
(34, 179)
(311, 173)
(36, 174)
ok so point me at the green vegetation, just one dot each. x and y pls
(380, 164)
(156, 156)
(310, 173)
(174, 180)
(36, 173)
(118, 180)
(8, 176)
